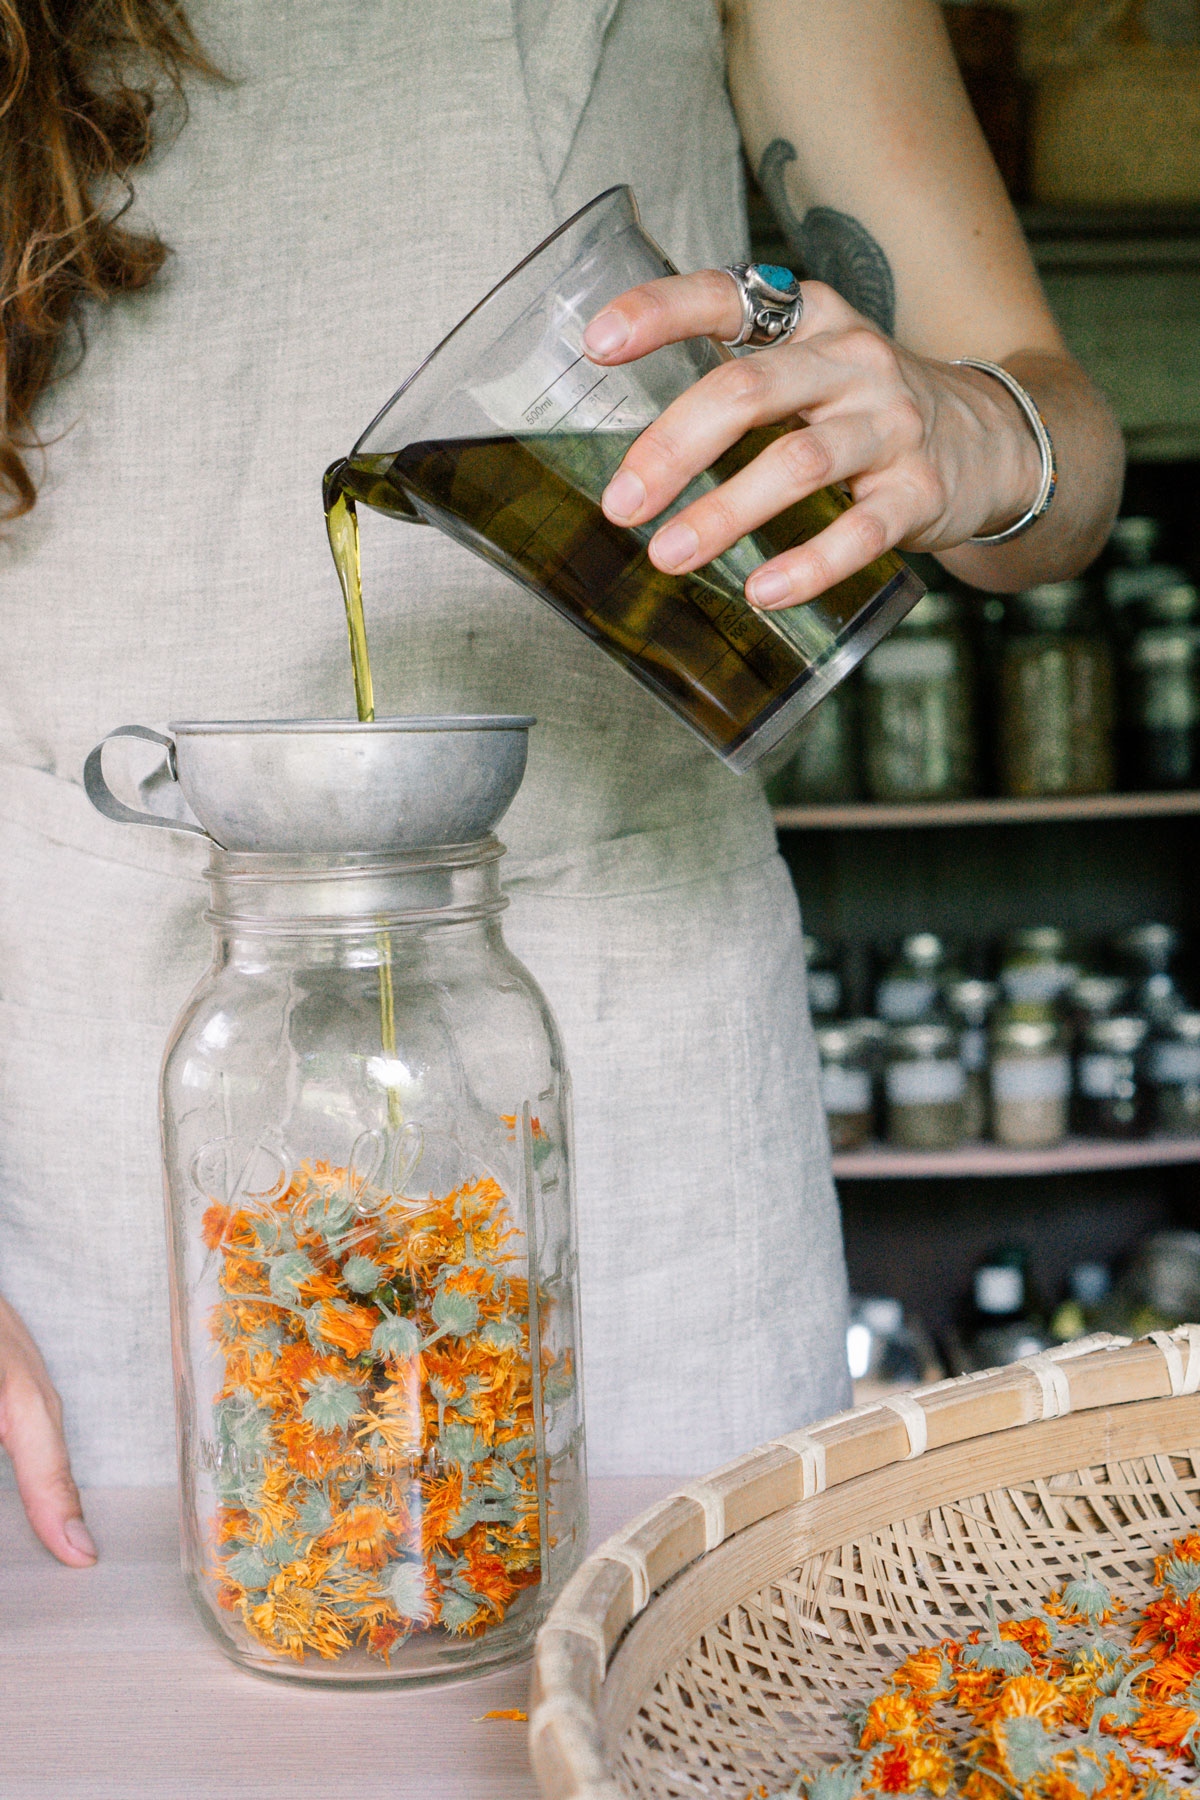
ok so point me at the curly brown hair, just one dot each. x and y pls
(78, 86)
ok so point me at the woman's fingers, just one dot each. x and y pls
(862, 533)
(851, 372)
(677, 307)
(31, 1432)
(789, 468)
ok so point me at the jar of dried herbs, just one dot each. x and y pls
(1164, 706)
(1030, 1077)
(824, 761)
(367, 1148)
(1057, 696)
(1173, 1075)
(924, 1084)
(918, 706)
(847, 1089)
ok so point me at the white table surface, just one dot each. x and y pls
(111, 1690)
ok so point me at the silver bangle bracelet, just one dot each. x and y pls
(1037, 425)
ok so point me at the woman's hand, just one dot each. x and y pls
(932, 454)
(31, 1432)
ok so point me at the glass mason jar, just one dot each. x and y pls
(1164, 715)
(924, 1083)
(1038, 963)
(1110, 1098)
(1030, 1078)
(1057, 697)
(366, 1133)
(1173, 1075)
(909, 986)
(918, 703)
(823, 764)
(847, 1085)
(1093, 996)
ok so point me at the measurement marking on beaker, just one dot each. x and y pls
(554, 383)
(558, 423)
(608, 414)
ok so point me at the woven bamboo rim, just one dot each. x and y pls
(646, 1594)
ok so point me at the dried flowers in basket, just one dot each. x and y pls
(990, 1587)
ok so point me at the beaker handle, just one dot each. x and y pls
(106, 802)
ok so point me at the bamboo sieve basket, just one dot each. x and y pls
(714, 1644)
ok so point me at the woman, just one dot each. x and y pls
(332, 208)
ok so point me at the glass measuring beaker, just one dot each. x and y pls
(506, 436)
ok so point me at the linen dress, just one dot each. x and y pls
(369, 172)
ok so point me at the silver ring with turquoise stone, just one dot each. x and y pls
(771, 303)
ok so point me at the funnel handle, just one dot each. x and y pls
(106, 802)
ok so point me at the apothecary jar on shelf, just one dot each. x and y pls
(366, 1134)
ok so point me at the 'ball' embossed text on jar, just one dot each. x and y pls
(368, 1167)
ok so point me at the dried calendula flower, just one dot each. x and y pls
(376, 1443)
(1077, 1717)
(1087, 1600)
(996, 1653)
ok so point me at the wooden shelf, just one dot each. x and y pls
(873, 814)
(878, 1161)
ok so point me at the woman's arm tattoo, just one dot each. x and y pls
(830, 245)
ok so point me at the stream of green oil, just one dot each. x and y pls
(341, 522)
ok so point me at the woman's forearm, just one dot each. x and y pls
(1090, 458)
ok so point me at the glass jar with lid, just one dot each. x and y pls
(1164, 706)
(823, 764)
(1057, 696)
(1150, 952)
(847, 1086)
(1110, 1097)
(924, 1084)
(910, 984)
(1030, 1077)
(1093, 995)
(970, 1003)
(1173, 1075)
(368, 1169)
(1149, 949)
(1133, 575)
(1037, 964)
(918, 706)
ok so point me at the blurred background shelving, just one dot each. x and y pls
(1102, 159)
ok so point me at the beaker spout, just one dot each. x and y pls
(371, 481)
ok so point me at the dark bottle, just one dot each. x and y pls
(1080, 1310)
(1001, 1322)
